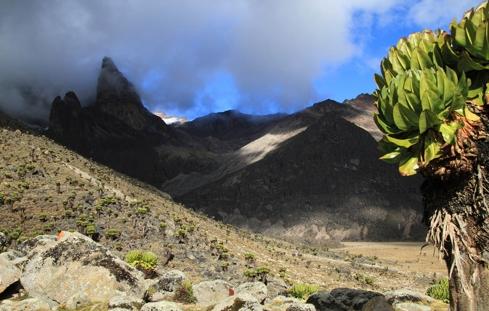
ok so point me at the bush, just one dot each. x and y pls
(303, 290)
(112, 234)
(260, 274)
(250, 257)
(142, 260)
(439, 290)
(185, 293)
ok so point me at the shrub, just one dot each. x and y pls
(250, 257)
(260, 273)
(303, 290)
(439, 290)
(185, 293)
(112, 234)
(142, 260)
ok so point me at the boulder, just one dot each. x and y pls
(276, 287)
(208, 293)
(164, 287)
(406, 295)
(239, 302)
(28, 304)
(124, 302)
(256, 289)
(9, 273)
(75, 271)
(161, 306)
(298, 306)
(345, 299)
(411, 306)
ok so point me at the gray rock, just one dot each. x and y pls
(239, 302)
(86, 271)
(406, 295)
(298, 306)
(256, 289)
(276, 287)
(29, 304)
(161, 306)
(343, 299)
(410, 306)
(9, 273)
(208, 293)
(164, 288)
(125, 302)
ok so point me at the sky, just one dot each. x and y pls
(193, 57)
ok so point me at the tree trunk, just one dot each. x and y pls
(456, 211)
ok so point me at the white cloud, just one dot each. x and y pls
(273, 49)
(439, 13)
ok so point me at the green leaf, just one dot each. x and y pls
(449, 131)
(427, 120)
(408, 166)
(383, 126)
(431, 148)
(403, 142)
(392, 157)
(469, 115)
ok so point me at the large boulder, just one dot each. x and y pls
(298, 306)
(9, 273)
(208, 293)
(344, 299)
(164, 288)
(161, 306)
(124, 302)
(256, 289)
(239, 302)
(28, 304)
(73, 270)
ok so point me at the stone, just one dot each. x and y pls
(161, 306)
(208, 293)
(410, 306)
(76, 271)
(239, 302)
(406, 295)
(28, 304)
(256, 289)
(276, 287)
(164, 288)
(297, 306)
(125, 302)
(341, 299)
(9, 273)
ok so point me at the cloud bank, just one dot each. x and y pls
(184, 56)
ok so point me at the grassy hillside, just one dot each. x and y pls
(45, 188)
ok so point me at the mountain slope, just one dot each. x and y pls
(323, 183)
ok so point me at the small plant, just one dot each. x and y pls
(260, 274)
(90, 230)
(163, 226)
(185, 293)
(439, 290)
(145, 261)
(365, 279)
(250, 257)
(303, 290)
(181, 233)
(112, 234)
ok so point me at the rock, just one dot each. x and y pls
(406, 295)
(276, 287)
(341, 299)
(297, 306)
(76, 271)
(164, 287)
(161, 306)
(208, 293)
(124, 302)
(3, 242)
(28, 304)
(9, 273)
(256, 289)
(410, 306)
(239, 302)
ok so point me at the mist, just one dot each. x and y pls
(185, 57)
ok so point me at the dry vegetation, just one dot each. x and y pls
(45, 188)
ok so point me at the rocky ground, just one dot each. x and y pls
(46, 189)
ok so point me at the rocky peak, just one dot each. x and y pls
(119, 98)
(64, 114)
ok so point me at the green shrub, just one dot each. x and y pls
(112, 234)
(90, 230)
(303, 290)
(250, 257)
(260, 273)
(439, 290)
(185, 293)
(142, 260)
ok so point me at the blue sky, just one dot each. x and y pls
(193, 57)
